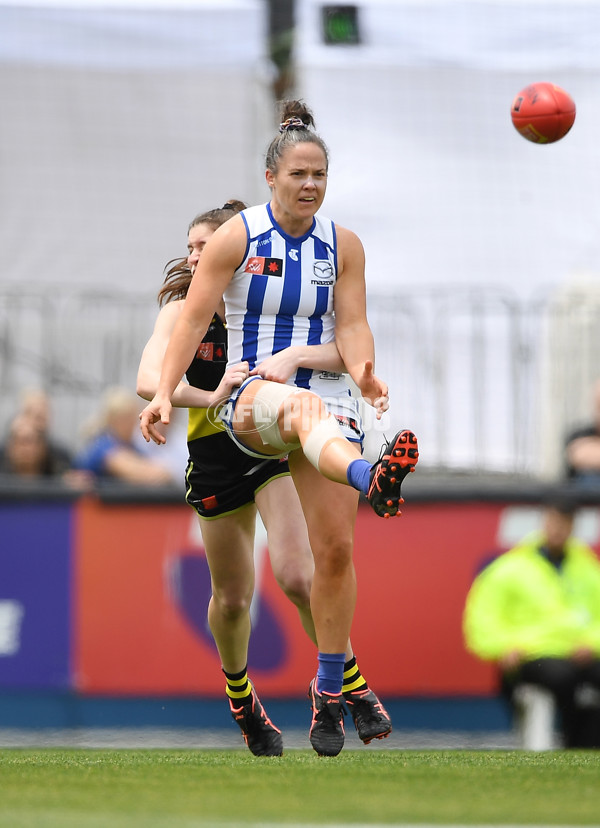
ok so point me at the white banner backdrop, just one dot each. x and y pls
(119, 124)
(427, 168)
(426, 165)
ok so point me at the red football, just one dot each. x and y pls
(543, 113)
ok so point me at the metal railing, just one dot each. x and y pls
(490, 382)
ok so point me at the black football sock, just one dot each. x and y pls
(238, 687)
(353, 678)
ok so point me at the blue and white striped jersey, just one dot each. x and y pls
(282, 295)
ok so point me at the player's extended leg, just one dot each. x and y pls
(271, 417)
(229, 546)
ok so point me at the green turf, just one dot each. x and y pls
(180, 788)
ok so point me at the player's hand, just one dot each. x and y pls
(233, 377)
(158, 410)
(373, 390)
(278, 367)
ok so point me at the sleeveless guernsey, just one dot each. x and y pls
(282, 295)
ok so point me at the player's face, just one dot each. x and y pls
(197, 238)
(299, 185)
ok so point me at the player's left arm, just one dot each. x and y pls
(281, 366)
(353, 335)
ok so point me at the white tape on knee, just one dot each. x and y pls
(321, 434)
(265, 410)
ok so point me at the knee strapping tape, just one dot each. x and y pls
(321, 434)
(265, 409)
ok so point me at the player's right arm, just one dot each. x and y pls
(220, 258)
(148, 378)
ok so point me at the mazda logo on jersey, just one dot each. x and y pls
(323, 269)
(264, 266)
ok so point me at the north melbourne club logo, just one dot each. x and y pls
(264, 266)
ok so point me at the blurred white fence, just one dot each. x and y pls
(490, 383)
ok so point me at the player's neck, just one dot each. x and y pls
(291, 225)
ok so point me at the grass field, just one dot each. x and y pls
(181, 788)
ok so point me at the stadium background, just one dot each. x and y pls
(122, 120)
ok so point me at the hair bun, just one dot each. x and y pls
(292, 123)
(235, 205)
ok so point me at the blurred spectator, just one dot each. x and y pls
(535, 612)
(111, 450)
(35, 406)
(582, 450)
(26, 451)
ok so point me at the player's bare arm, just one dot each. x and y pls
(184, 396)
(221, 255)
(281, 366)
(352, 332)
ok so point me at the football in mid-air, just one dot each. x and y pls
(543, 113)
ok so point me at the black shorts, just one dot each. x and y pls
(220, 478)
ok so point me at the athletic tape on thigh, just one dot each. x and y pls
(322, 433)
(265, 410)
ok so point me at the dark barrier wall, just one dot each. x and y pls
(108, 596)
